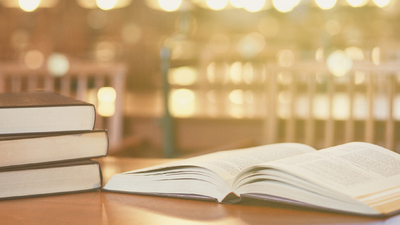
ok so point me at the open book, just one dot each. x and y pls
(356, 177)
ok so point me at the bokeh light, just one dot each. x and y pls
(355, 53)
(182, 102)
(34, 59)
(254, 5)
(235, 72)
(236, 96)
(170, 5)
(58, 64)
(250, 45)
(106, 101)
(29, 5)
(381, 3)
(376, 56)
(339, 64)
(285, 5)
(217, 4)
(326, 4)
(184, 75)
(357, 3)
(319, 54)
(106, 4)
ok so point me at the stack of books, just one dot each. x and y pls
(47, 142)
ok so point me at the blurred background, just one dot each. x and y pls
(184, 77)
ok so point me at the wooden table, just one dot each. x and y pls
(113, 208)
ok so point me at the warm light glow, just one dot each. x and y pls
(285, 77)
(251, 44)
(106, 4)
(235, 72)
(170, 5)
(254, 5)
(182, 75)
(106, 94)
(96, 18)
(285, 5)
(34, 59)
(237, 3)
(182, 102)
(326, 4)
(355, 53)
(58, 64)
(106, 101)
(217, 4)
(236, 96)
(29, 5)
(286, 57)
(248, 73)
(381, 3)
(376, 56)
(357, 3)
(339, 64)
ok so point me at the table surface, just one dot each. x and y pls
(114, 208)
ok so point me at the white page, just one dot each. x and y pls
(356, 169)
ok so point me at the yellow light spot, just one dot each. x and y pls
(34, 59)
(326, 4)
(355, 53)
(58, 64)
(170, 5)
(236, 96)
(251, 44)
(106, 101)
(254, 5)
(106, 4)
(182, 102)
(357, 3)
(376, 56)
(339, 64)
(217, 4)
(236, 72)
(29, 5)
(248, 73)
(105, 51)
(381, 3)
(106, 94)
(285, 5)
(182, 76)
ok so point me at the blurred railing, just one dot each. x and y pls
(375, 84)
(82, 81)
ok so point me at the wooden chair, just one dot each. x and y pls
(81, 80)
(377, 86)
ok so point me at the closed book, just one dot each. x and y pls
(32, 112)
(49, 179)
(25, 149)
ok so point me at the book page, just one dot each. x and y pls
(227, 164)
(355, 169)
